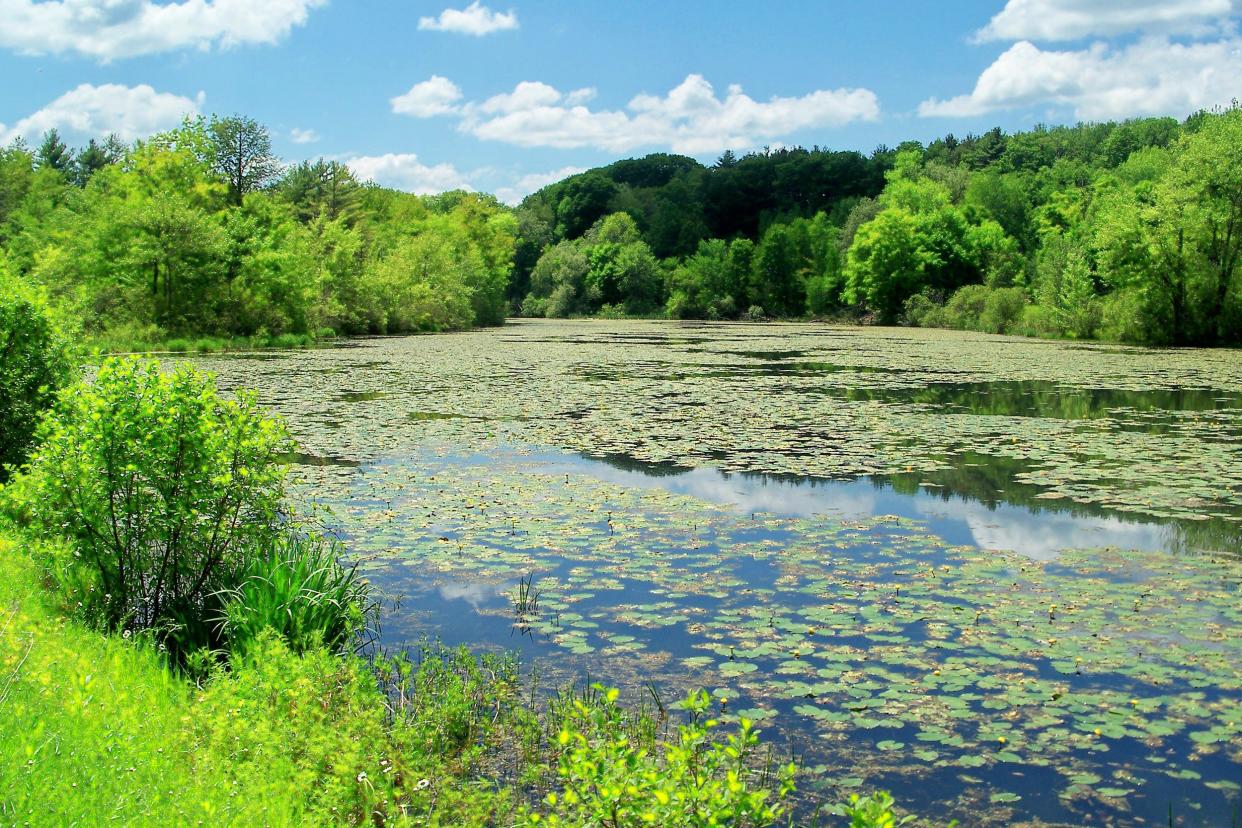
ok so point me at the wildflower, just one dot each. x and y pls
(362, 776)
(423, 784)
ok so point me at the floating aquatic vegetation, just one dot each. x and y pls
(1006, 613)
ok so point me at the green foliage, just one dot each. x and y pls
(874, 811)
(295, 586)
(1150, 205)
(970, 308)
(189, 235)
(610, 778)
(164, 489)
(34, 364)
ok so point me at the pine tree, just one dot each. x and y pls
(54, 153)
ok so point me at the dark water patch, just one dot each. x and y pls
(297, 458)
(361, 396)
(1046, 399)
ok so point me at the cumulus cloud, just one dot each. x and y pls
(435, 96)
(691, 118)
(403, 171)
(303, 136)
(1073, 19)
(111, 29)
(1153, 76)
(529, 183)
(90, 111)
(476, 19)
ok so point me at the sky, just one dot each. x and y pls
(505, 97)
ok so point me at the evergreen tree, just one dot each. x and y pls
(54, 153)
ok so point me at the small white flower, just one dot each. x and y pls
(423, 784)
(362, 776)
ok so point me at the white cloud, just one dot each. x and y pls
(110, 29)
(476, 19)
(303, 136)
(1153, 76)
(1073, 19)
(403, 171)
(691, 118)
(435, 96)
(92, 111)
(531, 182)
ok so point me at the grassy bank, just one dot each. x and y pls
(98, 728)
(129, 342)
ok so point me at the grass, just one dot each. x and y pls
(142, 341)
(97, 729)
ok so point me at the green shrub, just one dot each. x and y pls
(295, 587)
(1038, 320)
(610, 779)
(207, 345)
(874, 811)
(755, 313)
(163, 487)
(924, 309)
(34, 363)
(1002, 310)
(1125, 316)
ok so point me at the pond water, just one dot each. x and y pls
(1000, 577)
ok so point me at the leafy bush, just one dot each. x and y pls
(1038, 320)
(1002, 310)
(611, 779)
(34, 363)
(874, 811)
(970, 308)
(163, 487)
(295, 586)
(924, 309)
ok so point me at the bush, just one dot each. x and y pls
(924, 309)
(611, 312)
(1125, 316)
(163, 487)
(755, 313)
(1002, 310)
(612, 779)
(34, 363)
(1038, 320)
(296, 587)
(534, 307)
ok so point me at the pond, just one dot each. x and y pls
(998, 576)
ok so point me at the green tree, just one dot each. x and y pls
(778, 276)
(322, 187)
(53, 153)
(242, 155)
(34, 365)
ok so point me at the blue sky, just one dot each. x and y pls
(503, 96)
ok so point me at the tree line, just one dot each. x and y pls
(201, 231)
(1128, 231)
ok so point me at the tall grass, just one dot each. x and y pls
(296, 587)
(93, 728)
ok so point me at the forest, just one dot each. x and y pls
(1118, 231)
(200, 232)
(1122, 231)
